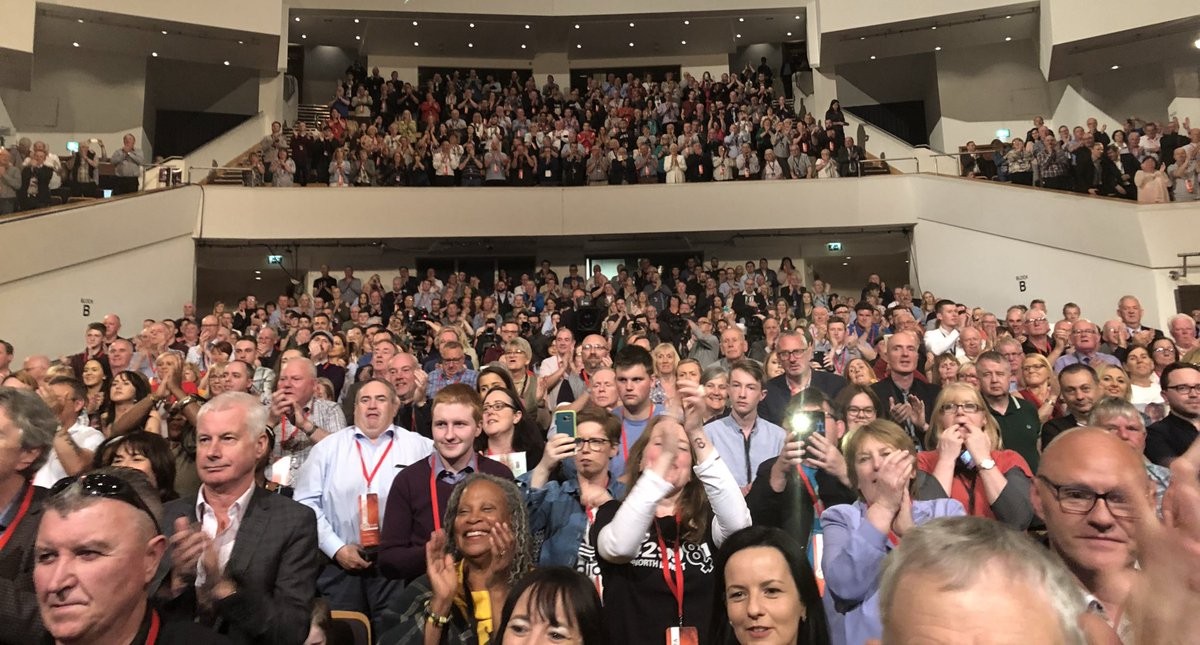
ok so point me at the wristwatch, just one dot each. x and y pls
(987, 464)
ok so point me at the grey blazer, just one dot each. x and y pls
(275, 562)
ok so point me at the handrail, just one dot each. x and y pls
(210, 169)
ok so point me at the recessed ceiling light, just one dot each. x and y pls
(358, 38)
(739, 35)
(789, 33)
(522, 45)
(297, 19)
(872, 58)
(631, 44)
(687, 22)
(1008, 39)
(1007, 17)
(797, 17)
(416, 44)
(470, 44)
(75, 44)
(683, 42)
(631, 24)
(81, 21)
(471, 25)
(227, 63)
(527, 26)
(862, 37)
(578, 46)
(937, 49)
(934, 27)
(304, 35)
(258, 270)
(1115, 67)
(845, 264)
(741, 20)
(577, 26)
(154, 54)
(415, 23)
(258, 277)
(1197, 43)
(241, 42)
(356, 21)
(164, 32)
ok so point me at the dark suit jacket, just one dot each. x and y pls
(778, 393)
(927, 392)
(43, 174)
(20, 622)
(275, 562)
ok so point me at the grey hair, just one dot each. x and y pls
(255, 419)
(72, 498)
(713, 372)
(1110, 407)
(1172, 319)
(954, 550)
(301, 360)
(36, 421)
(518, 522)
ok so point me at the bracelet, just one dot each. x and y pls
(430, 617)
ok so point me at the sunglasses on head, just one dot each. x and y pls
(108, 487)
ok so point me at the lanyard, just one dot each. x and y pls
(371, 477)
(21, 511)
(624, 442)
(433, 499)
(812, 492)
(152, 636)
(283, 429)
(674, 584)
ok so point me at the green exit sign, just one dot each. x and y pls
(833, 247)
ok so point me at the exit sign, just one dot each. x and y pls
(274, 259)
(833, 247)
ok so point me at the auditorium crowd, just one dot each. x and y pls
(711, 452)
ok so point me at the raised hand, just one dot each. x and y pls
(442, 572)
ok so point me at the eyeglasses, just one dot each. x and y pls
(591, 444)
(970, 407)
(785, 354)
(1030, 368)
(1184, 389)
(106, 486)
(591, 346)
(1080, 501)
(860, 412)
(460, 359)
(1164, 350)
(1037, 320)
(497, 407)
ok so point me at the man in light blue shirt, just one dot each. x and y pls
(743, 439)
(351, 470)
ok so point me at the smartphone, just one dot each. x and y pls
(73, 146)
(804, 424)
(564, 422)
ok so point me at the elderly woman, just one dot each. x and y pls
(470, 567)
(666, 359)
(1122, 419)
(859, 536)
(968, 462)
(859, 372)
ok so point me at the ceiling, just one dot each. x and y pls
(112, 33)
(1167, 42)
(502, 37)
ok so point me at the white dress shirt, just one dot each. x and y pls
(224, 540)
(331, 479)
(85, 437)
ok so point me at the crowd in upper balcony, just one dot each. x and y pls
(31, 176)
(460, 129)
(1143, 160)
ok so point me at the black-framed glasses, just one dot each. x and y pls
(106, 486)
(1079, 500)
(498, 406)
(591, 444)
(1183, 389)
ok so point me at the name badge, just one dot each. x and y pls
(368, 520)
(683, 635)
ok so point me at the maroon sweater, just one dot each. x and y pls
(408, 518)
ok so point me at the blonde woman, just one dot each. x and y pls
(666, 359)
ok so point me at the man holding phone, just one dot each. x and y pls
(743, 439)
(795, 355)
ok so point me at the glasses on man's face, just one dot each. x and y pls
(590, 444)
(460, 359)
(106, 486)
(1079, 500)
(593, 347)
(786, 354)
(497, 406)
(1183, 389)
(970, 407)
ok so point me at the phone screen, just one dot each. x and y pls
(73, 146)
(564, 422)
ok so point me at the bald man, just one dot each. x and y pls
(36, 366)
(1094, 536)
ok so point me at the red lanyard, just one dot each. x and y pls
(674, 584)
(152, 636)
(21, 511)
(812, 493)
(437, 514)
(624, 442)
(371, 477)
(283, 429)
